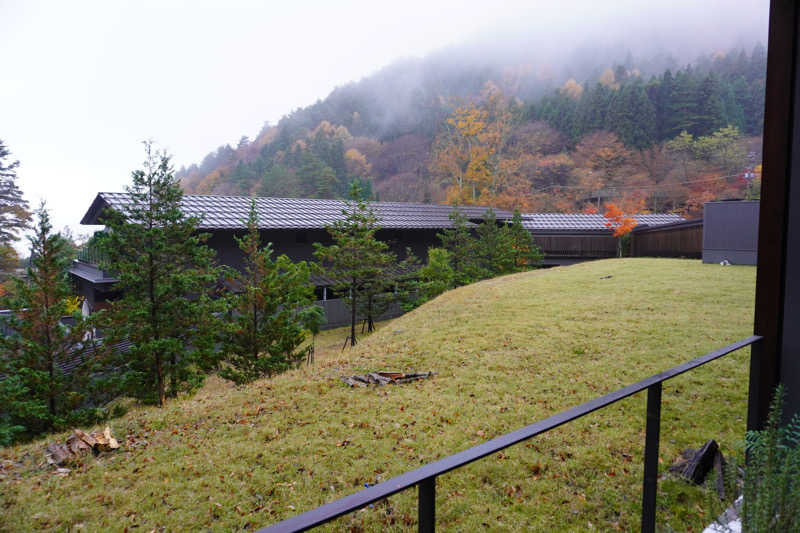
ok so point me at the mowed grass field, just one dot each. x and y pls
(507, 352)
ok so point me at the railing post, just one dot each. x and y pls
(650, 487)
(427, 505)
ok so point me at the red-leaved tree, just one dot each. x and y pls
(620, 223)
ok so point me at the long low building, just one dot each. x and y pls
(567, 238)
(292, 225)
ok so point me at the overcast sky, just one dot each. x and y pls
(83, 83)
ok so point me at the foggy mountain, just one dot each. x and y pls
(390, 130)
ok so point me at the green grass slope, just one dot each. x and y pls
(508, 352)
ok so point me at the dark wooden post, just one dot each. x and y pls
(777, 314)
(652, 434)
(426, 509)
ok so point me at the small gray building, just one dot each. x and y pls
(730, 232)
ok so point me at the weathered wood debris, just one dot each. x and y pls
(384, 378)
(79, 444)
(695, 465)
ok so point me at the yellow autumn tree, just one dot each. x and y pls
(466, 150)
(455, 147)
(573, 89)
(356, 163)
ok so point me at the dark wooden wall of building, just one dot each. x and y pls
(683, 239)
(298, 244)
(572, 245)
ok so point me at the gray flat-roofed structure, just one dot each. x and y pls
(730, 232)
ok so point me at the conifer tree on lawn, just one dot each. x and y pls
(166, 276)
(35, 394)
(356, 257)
(460, 244)
(524, 251)
(394, 284)
(494, 254)
(273, 312)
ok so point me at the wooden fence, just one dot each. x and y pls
(337, 313)
(681, 239)
(576, 245)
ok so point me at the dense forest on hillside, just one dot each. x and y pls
(434, 131)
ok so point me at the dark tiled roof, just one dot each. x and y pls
(230, 212)
(587, 221)
(78, 355)
(672, 225)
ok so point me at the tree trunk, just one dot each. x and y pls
(51, 388)
(352, 317)
(370, 321)
(162, 398)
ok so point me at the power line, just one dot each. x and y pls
(624, 187)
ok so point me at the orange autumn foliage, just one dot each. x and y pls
(616, 220)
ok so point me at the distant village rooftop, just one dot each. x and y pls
(231, 212)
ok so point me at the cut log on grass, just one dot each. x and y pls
(79, 444)
(57, 454)
(384, 378)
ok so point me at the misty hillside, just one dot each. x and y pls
(452, 128)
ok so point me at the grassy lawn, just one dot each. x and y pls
(508, 352)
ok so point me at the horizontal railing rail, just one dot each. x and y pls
(91, 255)
(425, 476)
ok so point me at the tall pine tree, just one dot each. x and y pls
(356, 258)
(14, 214)
(710, 111)
(166, 277)
(273, 311)
(36, 393)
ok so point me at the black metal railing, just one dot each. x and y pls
(425, 477)
(91, 255)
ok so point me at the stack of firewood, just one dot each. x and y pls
(79, 444)
(384, 378)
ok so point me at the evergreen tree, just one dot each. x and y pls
(680, 110)
(435, 277)
(394, 283)
(758, 63)
(494, 253)
(317, 180)
(710, 114)
(460, 244)
(734, 98)
(665, 89)
(593, 108)
(273, 312)
(14, 214)
(35, 393)
(278, 180)
(754, 110)
(524, 251)
(632, 116)
(356, 257)
(166, 276)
